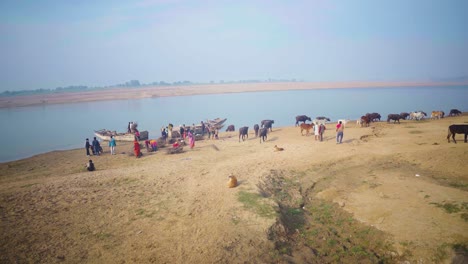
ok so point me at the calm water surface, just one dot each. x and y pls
(28, 131)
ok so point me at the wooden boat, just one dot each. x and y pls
(105, 134)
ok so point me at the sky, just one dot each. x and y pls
(48, 44)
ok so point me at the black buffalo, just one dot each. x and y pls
(230, 128)
(268, 124)
(322, 118)
(302, 118)
(256, 128)
(394, 117)
(454, 112)
(243, 132)
(457, 129)
(404, 115)
(374, 116)
(263, 134)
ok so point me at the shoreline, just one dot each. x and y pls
(205, 89)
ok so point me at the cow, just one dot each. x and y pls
(404, 115)
(307, 128)
(417, 115)
(323, 118)
(455, 112)
(243, 132)
(457, 129)
(302, 118)
(319, 121)
(394, 117)
(365, 121)
(230, 128)
(256, 128)
(268, 124)
(263, 134)
(343, 121)
(437, 114)
(373, 116)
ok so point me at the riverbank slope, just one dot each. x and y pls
(403, 182)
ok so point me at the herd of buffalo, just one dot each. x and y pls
(365, 120)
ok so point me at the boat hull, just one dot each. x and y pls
(105, 135)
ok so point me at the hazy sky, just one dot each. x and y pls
(46, 44)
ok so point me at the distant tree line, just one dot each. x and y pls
(129, 84)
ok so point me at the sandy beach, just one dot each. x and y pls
(164, 91)
(389, 193)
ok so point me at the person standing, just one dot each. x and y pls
(96, 147)
(191, 138)
(169, 130)
(87, 146)
(321, 131)
(316, 130)
(136, 149)
(202, 128)
(339, 132)
(112, 145)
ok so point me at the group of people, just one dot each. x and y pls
(319, 129)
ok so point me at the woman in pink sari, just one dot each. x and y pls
(191, 138)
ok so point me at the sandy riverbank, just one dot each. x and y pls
(163, 91)
(390, 192)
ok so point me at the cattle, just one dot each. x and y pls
(437, 114)
(268, 124)
(256, 128)
(230, 128)
(365, 121)
(457, 129)
(319, 121)
(307, 128)
(373, 116)
(404, 115)
(243, 132)
(394, 117)
(302, 118)
(323, 118)
(417, 115)
(343, 121)
(455, 112)
(263, 134)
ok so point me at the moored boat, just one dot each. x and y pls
(105, 134)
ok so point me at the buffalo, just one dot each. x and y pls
(302, 118)
(268, 124)
(263, 134)
(457, 129)
(323, 118)
(243, 132)
(404, 115)
(455, 112)
(230, 128)
(256, 128)
(394, 117)
(374, 116)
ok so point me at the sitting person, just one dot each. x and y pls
(176, 144)
(90, 166)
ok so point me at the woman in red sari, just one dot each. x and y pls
(136, 148)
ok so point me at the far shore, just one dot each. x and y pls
(187, 90)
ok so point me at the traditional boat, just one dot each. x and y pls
(105, 134)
